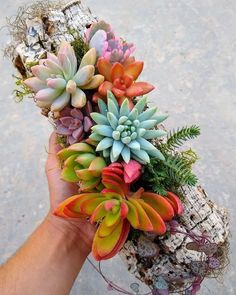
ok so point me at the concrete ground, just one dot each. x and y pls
(189, 51)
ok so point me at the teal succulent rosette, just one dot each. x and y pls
(124, 133)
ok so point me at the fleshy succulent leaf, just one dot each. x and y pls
(148, 124)
(89, 58)
(85, 159)
(104, 144)
(144, 221)
(102, 107)
(159, 204)
(132, 171)
(111, 219)
(99, 118)
(103, 130)
(84, 75)
(98, 213)
(133, 215)
(134, 69)
(160, 118)
(154, 134)
(88, 206)
(158, 223)
(105, 248)
(96, 166)
(126, 154)
(80, 147)
(94, 83)
(104, 68)
(124, 108)
(105, 230)
(112, 120)
(175, 202)
(117, 148)
(112, 107)
(89, 185)
(63, 211)
(141, 104)
(146, 115)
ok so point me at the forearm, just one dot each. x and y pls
(46, 264)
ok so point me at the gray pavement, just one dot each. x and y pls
(189, 51)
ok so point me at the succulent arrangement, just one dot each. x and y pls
(113, 146)
(132, 174)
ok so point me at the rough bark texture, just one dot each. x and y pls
(173, 259)
(44, 32)
(147, 258)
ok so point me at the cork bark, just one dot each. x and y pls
(200, 216)
(45, 31)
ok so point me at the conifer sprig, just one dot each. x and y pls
(179, 171)
(176, 138)
(170, 174)
(176, 170)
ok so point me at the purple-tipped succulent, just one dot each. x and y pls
(58, 82)
(74, 123)
(112, 48)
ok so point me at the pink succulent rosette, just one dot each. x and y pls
(74, 123)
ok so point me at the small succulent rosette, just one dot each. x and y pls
(133, 182)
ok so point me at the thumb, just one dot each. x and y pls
(52, 161)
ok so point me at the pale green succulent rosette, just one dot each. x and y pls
(124, 133)
(57, 81)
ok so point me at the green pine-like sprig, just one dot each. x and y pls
(170, 174)
(179, 170)
(176, 170)
(176, 138)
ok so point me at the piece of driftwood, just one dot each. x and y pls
(43, 30)
(175, 262)
(150, 257)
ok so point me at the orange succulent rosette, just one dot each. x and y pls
(116, 209)
(121, 80)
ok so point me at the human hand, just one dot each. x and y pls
(60, 190)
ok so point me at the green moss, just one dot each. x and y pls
(80, 48)
(134, 234)
(29, 65)
(62, 141)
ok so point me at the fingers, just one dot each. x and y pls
(54, 147)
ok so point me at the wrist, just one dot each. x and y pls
(69, 233)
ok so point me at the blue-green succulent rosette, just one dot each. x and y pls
(122, 133)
